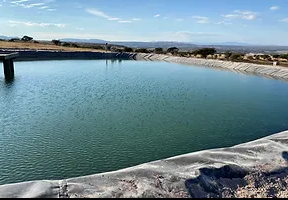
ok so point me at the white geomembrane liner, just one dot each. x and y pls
(197, 174)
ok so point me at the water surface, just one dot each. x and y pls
(63, 119)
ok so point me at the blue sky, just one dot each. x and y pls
(249, 21)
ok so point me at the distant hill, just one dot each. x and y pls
(133, 44)
(96, 41)
(220, 47)
(155, 44)
(2, 37)
(234, 44)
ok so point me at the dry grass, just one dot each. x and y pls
(40, 46)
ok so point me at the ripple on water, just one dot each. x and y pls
(57, 121)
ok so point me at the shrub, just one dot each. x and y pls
(74, 45)
(65, 44)
(236, 56)
(36, 42)
(276, 56)
(158, 50)
(142, 50)
(183, 54)
(97, 47)
(265, 57)
(228, 54)
(128, 49)
(116, 49)
(14, 39)
(26, 38)
(285, 56)
(56, 42)
(205, 52)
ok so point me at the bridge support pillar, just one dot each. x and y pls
(8, 68)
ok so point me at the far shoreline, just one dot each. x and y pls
(269, 71)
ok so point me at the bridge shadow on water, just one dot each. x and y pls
(225, 181)
(7, 83)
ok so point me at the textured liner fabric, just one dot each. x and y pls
(165, 178)
(268, 71)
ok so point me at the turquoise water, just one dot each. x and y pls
(63, 119)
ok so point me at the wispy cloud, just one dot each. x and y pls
(284, 20)
(231, 16)
(124, 21)
(33, 24)
(275, 8)
(223, 23)
(31, 5)
(44, 7)
(99, 13)
(248, 15)
(201, 19)
(80, 29)
(28, 4)
(51, 9)
(157, 15)
(18, 2)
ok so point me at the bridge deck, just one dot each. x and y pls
(8, 56)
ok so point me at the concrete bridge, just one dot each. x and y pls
(8, 64)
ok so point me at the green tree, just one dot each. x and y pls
(205, 52)
(172, 50)
(26, 38)
(56, 42)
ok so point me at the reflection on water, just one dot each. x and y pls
(9, 81)
(61, 119)
(112, 62)
(6, 83)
